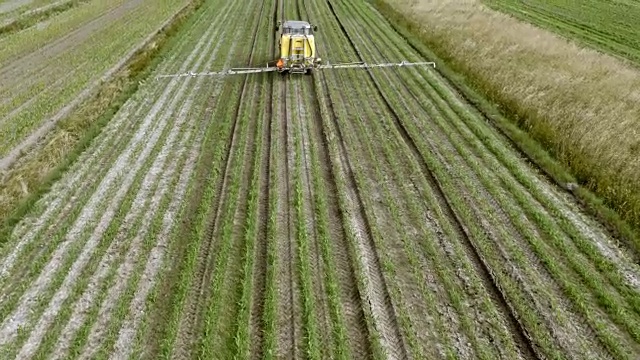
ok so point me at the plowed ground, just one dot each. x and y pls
(349, 214)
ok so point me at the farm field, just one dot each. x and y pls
(610, 26)
(350, 214)
(46, 68)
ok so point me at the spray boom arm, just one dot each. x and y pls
(236, 71)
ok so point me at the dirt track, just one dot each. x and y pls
(349, 214)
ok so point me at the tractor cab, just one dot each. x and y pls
(297, 28)
(297, 47)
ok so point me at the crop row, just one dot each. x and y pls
(602, 24)
(84, 287)
(352, 214)
(40, 82)
(563, 228)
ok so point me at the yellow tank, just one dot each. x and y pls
(297, 47)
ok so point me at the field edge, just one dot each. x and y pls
(502, 117)
(79, 131)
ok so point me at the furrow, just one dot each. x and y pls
(351, 308)
(290, 326)
(236, 231)
(258, 291)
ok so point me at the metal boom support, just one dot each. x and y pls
(236, 71)
(364, 65)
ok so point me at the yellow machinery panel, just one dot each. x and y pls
(297, 47)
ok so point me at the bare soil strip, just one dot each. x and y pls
(375, 292)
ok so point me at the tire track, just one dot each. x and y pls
(316, 265)
(229, 275)
(505, 171)
(319, 291)
(376, 292)
(350, 296)
(290, 324)
(358, 337)
(205, 262)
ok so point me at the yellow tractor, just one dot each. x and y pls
(297, 47)
(297, 55)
